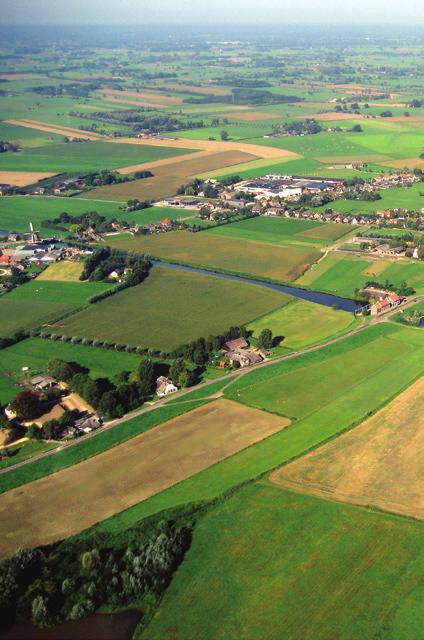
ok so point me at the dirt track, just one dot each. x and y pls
(68, 501)
(55, 128)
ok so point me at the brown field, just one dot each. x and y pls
(22, 76)
(405, 119)
(192, 88)
(169, 176)
(68, 501)
(380, 463)
(262, 259)
(138, 103)
(388, 104)
(148, 95)
(249, 116)
(404, 162)
(22, 178)
(55, 128)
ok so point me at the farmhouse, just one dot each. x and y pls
(42, 383)
(165, 386)
(237, 343)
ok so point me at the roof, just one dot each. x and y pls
(237, 343)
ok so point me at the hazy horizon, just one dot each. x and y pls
(243, 12)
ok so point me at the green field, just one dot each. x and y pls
(292, 567)
(334, 404)
(245, 257)
(35, 353)
(342, 273)
(170, 308)
(17, 211)
(302, 323)
(37, 302)
(84, 156)
(283, 231)
(397, 198)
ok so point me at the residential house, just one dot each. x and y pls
(165, 386)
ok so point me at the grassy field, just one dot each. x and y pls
(271, 564)
(84, 156)
(147, 464)
(34, 302)
(302, 323)
(245, 257)
(342, 273)
(379, 463)
(170, 308)
(283, 231)
(399, 198)
(35, 353)
(17, 211)
(62, 272)
(300, 388)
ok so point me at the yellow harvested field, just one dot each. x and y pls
(137, 103)
(68, 501)
(65, 271)
(169, 176)
(22, 178)
(376, 268)
(334, 115)
(380, 463)
(162, 163)
(405, 162)
(157, 96)
(55, 128)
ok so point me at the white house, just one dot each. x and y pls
(165, 386)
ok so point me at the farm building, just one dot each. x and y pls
(165, 386)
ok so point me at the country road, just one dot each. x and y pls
(238, 373)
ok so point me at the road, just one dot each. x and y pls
(238, 373)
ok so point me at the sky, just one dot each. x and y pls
(212, 12)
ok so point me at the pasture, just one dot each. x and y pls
(39, 302)
(171, 307)
(82, 157)
(264, 260)
(302, 323)
(380, 463)
(294, 566)
(148, 463)
(342, 272)
(283, 231)
(35, 354)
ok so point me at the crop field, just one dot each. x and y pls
(400, 197)
(283, 231)
(246, 257)
(83, 156)
(35, 354)
(22, 178)
(302, 323)
(342, 273)
(171, 307)
(167, 178)
(320, 570)
(62, 271)
(379, 463)
(148, 463)
(332, 409)
(37, 302)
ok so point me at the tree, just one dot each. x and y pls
(146, 373)
(224, 135)
(176, 369)
(60, 369)
(265, 339)
(33, 432)
(187, 378)
(27, 405)
(39, 612)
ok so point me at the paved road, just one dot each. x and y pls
(238, 373)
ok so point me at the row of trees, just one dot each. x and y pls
(105, 260)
